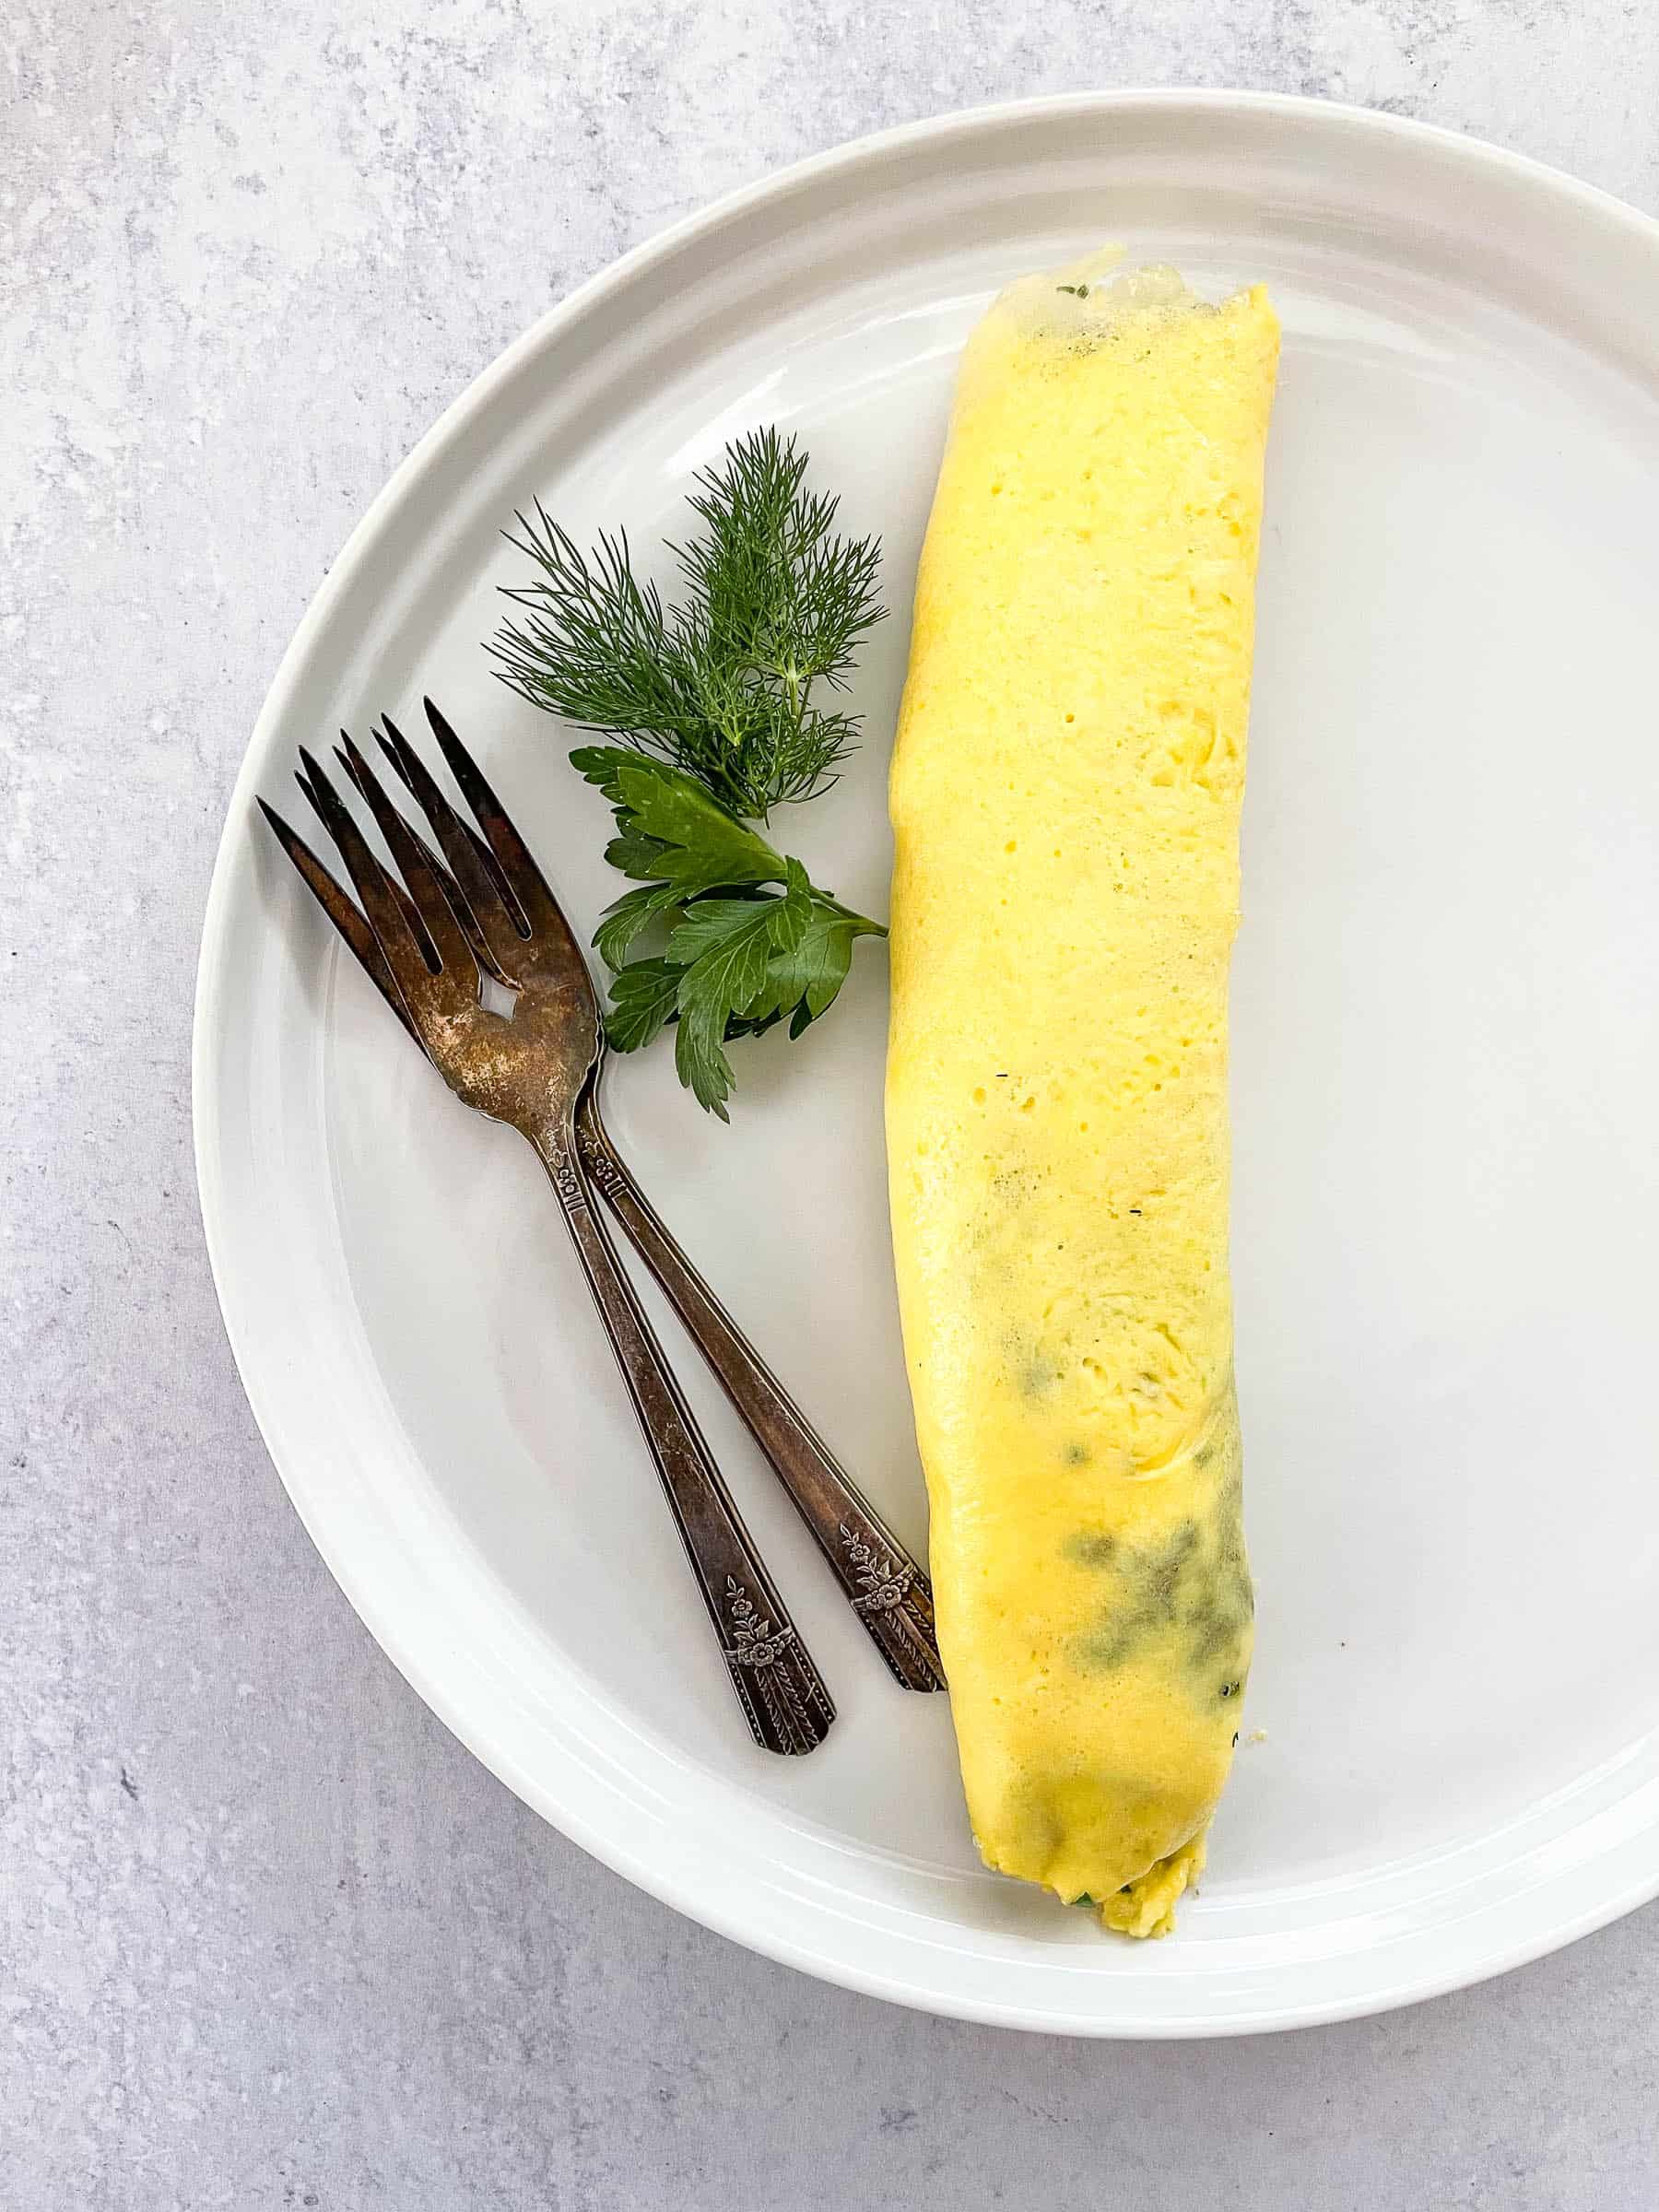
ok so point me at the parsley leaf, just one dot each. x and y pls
(811, 974)
(738, 955)
(632, 915)
(724, 949)
(643, 997)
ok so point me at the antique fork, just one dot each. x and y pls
(528, 1068)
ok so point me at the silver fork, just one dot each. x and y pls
(530, 1070)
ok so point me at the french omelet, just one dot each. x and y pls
(1065, 797)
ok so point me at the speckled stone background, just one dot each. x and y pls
(269, 1936)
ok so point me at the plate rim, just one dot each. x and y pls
(643, 1871)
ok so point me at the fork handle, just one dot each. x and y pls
(778, 1685)
(887, 1590)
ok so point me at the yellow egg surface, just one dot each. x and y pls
(1065, 796)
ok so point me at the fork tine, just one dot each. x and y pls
(425, 993)
(425, 878)
(536, 901)
(460, 904)
(405, 905)
(425, 788)
(484, 887)
(344, 912)
(351, 760)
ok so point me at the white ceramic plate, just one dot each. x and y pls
(1447, 1058)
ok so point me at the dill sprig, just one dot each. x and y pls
(720, 685)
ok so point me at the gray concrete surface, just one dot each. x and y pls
(269, 1936)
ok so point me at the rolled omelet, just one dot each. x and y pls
(1065, 797)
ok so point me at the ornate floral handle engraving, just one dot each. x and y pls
(881, 1584)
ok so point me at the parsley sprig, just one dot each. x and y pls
(750, 938)
(723, 935)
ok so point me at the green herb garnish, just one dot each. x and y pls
(712, 701)
(721, 685)
(749, 937)
(715, 720)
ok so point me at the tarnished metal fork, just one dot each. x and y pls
(473, 885)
